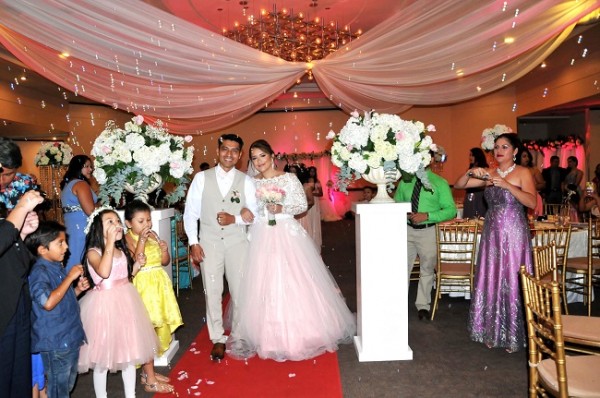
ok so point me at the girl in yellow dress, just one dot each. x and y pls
(152, 282)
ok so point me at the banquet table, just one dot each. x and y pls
(577, 248)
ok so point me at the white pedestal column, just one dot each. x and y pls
(161, 224)
(381, 282)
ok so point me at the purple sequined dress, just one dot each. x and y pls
(497, 316)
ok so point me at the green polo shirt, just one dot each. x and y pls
(438, 204)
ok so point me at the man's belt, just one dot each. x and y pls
(421, 226)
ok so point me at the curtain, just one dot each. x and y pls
(133, 56)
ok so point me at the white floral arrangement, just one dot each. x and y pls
(490, 134)
(54, 154)
(137, 154)
(381, 140)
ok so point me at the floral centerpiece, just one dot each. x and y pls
(270, 194)
(142, 156)
(379, 140)
(489, 135)
(53, 154)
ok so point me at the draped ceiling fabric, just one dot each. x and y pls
(135, 57)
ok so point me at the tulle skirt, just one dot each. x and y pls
(311, 222)
(290, 307)
(117, 328)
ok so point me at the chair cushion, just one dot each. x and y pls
(458, 269)
(581, 327)
(581, 263)
(582, 375)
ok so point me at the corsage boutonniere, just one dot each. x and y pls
(235, 197)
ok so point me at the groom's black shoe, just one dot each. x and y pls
(218, 351)
(423, 314)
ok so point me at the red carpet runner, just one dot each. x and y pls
(196, 375)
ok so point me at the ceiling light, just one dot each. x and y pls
(289, 36)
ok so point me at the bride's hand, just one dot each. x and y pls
(274, 208)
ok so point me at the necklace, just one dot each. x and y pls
(503, 174)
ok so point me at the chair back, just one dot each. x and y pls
(544, 262)
(544, 333)
(456, 243)
(180, 256)
(560, 235)
(552, 209)
(456, 247)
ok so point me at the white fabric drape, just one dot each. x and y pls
(133, 56)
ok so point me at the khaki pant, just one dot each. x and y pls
(422, 242)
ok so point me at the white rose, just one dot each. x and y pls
(99, 175)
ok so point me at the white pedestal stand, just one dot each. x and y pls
(161, 224)
(381, 282)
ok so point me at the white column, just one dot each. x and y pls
(381, 282)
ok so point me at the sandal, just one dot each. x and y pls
(159, 377)
(159, 388)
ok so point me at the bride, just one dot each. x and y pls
(290, 307)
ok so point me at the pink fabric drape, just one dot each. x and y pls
(133, 56)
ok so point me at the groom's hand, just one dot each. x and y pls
(224, 218)
(197, 253)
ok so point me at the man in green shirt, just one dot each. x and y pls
(429, 207)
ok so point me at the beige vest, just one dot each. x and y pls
(213, 202)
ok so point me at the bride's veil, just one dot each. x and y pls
(252, 172)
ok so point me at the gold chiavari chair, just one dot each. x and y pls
(549, 366)
(584, 271)
(456, 246)
(561, 236)
(581, 333)
(552, 209)
(180, 257)
(544, 262)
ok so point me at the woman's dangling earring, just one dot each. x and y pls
(515, 158)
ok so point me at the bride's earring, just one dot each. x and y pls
(515, 158)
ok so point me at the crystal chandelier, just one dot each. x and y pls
(287, 35)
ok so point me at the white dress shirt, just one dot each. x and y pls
(193, 202)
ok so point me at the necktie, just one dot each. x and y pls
(414, 199)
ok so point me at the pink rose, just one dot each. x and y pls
(139, 119)
(188, 138)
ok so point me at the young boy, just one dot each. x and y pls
(57, 332)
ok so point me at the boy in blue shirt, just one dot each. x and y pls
(57, 332)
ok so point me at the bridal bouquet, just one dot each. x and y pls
(270, 194)
(378, 140)
(142, 156)
(489, 135)
(53, 154)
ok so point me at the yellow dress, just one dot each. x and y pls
(156, 289)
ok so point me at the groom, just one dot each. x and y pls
(215, 198)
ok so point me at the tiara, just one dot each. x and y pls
(91, 217)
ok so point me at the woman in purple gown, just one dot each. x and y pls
(496, 315)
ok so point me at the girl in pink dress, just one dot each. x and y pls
(118, 329)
